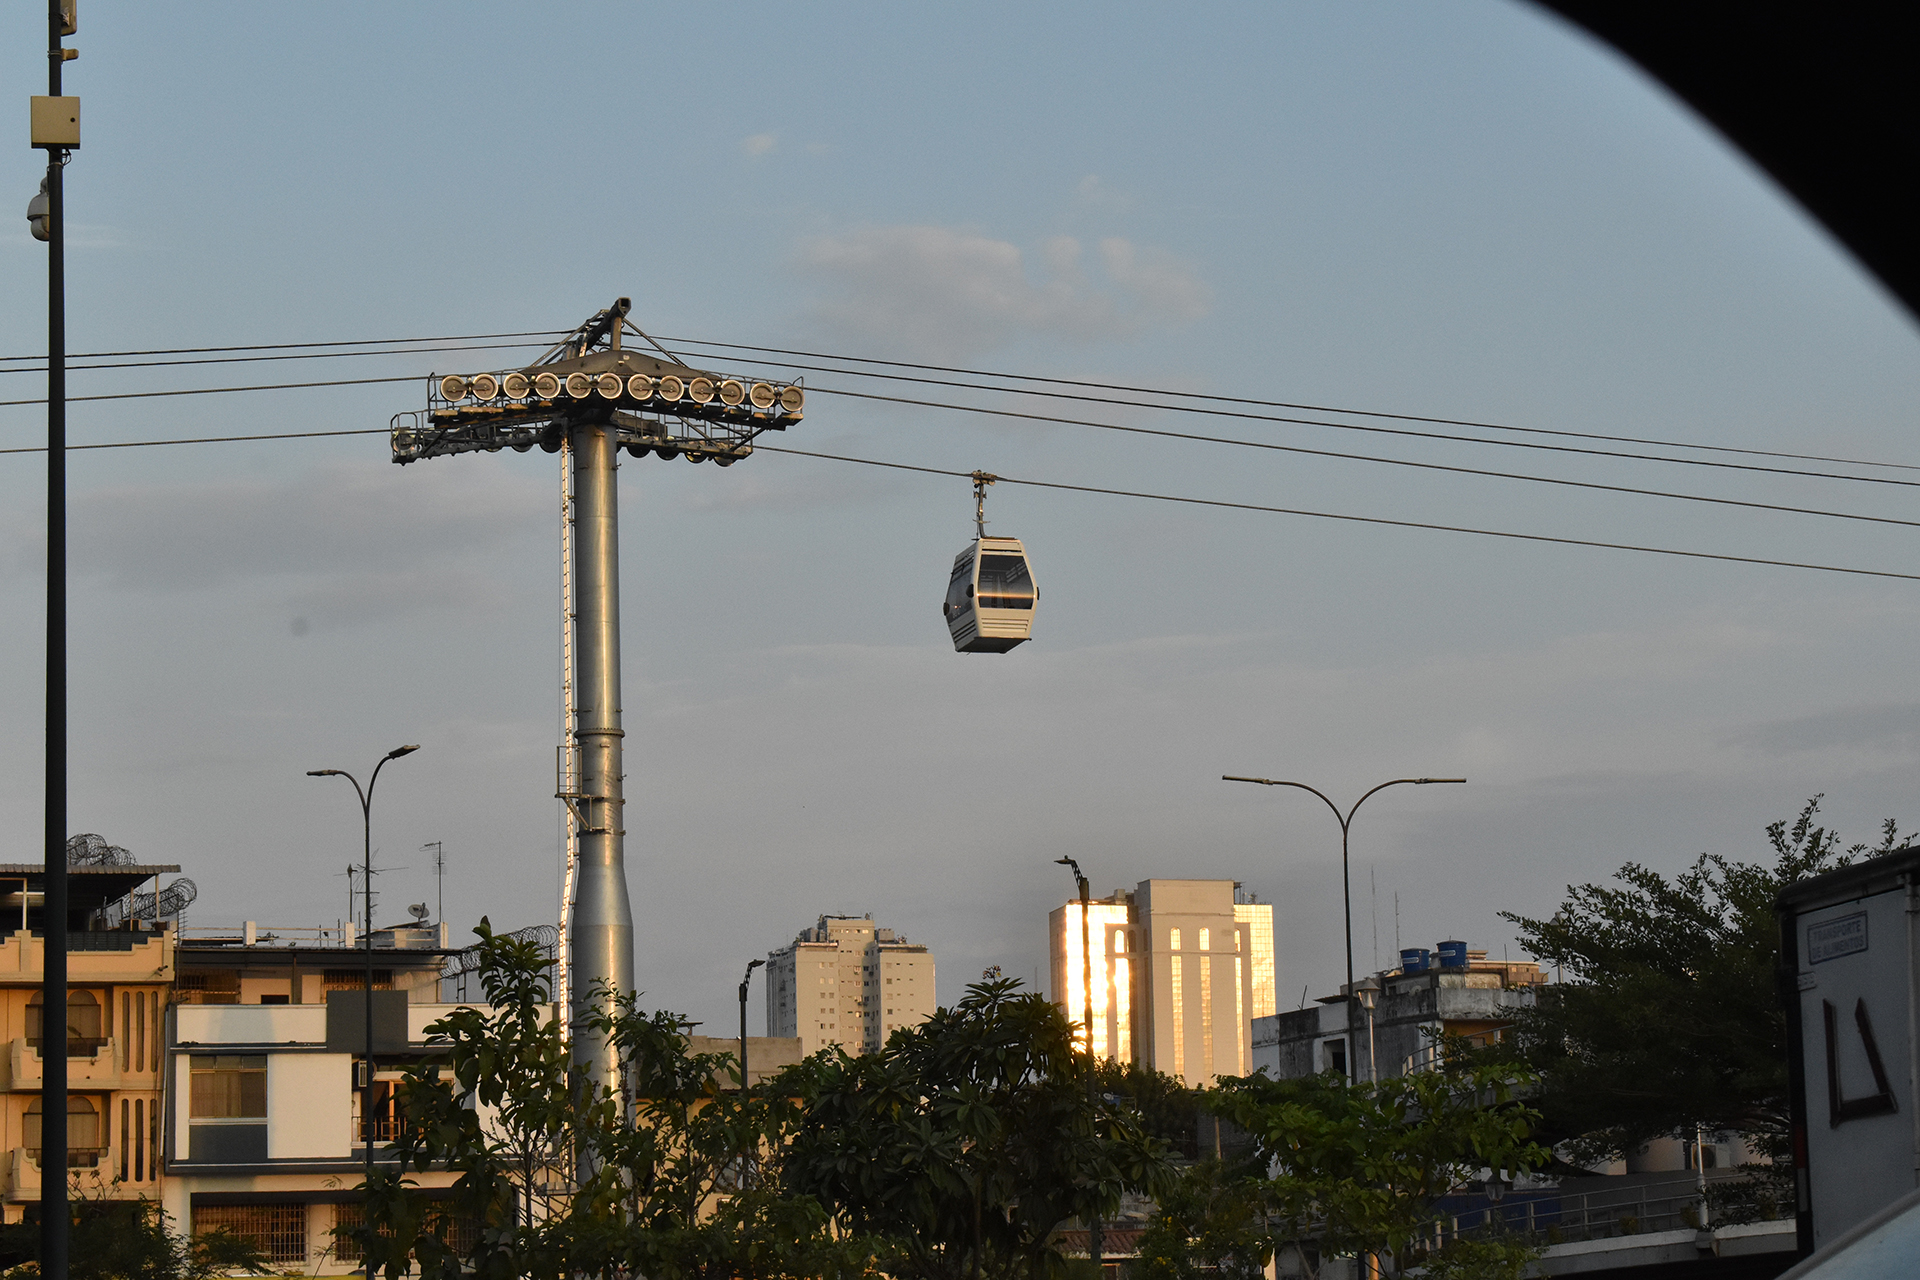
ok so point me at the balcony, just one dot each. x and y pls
(92, 1063)
(90, 1175)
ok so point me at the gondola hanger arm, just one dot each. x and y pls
(981, 479)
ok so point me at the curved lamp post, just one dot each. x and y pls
(1086, 973)
(1346, 883)
(366, 820)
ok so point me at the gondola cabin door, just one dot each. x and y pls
(990, 596)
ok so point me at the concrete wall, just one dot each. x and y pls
(309, 1106)
(217, 1024)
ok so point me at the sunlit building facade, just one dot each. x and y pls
(1180, 970)
(847, 982)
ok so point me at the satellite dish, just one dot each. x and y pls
(419, 911)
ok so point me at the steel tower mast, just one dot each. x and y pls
(591, 398)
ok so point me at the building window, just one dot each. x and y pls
(355, 980)
(277, 1230)
(1333, 1056)
(229, 1087)
(84, 1034)
(84, 1144)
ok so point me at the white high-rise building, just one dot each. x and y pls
(845, 982)
(1181, 968)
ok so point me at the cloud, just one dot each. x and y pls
(342, 545)
(1891, 731)
(759, 144)
(946, 292)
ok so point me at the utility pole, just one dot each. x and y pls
(55, 123)
(591, 396)
(439, 880)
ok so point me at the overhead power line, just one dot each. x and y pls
(288, 346)
(1063, 486)
(300, 355)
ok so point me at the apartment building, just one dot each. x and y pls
(262, 1125)
(1448, 990)
(117, 985)
(1181, 968)
(849, 983)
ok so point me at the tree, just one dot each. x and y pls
(1358, 1168)
(1207, 1223)
(558, 1179)
(967, 1141)
(130, 1240)
(1668, 1013)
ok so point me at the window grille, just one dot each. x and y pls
(356, 980)
(277, 1230)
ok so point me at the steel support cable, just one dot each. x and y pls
(1310, 408)
(1335, 515)
(1413, 434)
(1110, 426)
(1394, 462)
(1156, 391)
(1119, 493)
(298, 355)
(288, 346)
(210, 391)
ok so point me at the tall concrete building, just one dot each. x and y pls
(1181, 968)
(845, 982)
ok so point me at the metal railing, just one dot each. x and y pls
(77, 1157)
(1555, 1217)
(385, 1129)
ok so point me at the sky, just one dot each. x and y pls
(1465, 210)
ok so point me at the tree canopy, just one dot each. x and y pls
(967, 1141)
(1668, 1013)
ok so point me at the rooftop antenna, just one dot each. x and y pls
(439, 879)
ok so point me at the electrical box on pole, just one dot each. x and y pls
(55, 122)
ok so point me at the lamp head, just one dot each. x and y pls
(754, 964)
(397, 752)
(1421, 782)
(323, 773)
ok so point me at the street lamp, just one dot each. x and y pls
(1086, 974)
(751, 966)
(366, 1061)
(1369, 993)
(1346, 881)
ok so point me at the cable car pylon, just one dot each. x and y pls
(990, 594)
(593, 397)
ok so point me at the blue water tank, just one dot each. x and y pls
(1415, 960)
(1453, 955)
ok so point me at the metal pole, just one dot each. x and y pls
(1346, 883)
(602, 942)
(53, 1026)
(1086, 974)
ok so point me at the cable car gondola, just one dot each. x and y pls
(990, 594)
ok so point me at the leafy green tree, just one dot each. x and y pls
(1358, 1168)
(1668, 1013)
(1207, 1223)
(1163, 1105)
(131, 1240)
(967, 1141)
(558, 1180)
